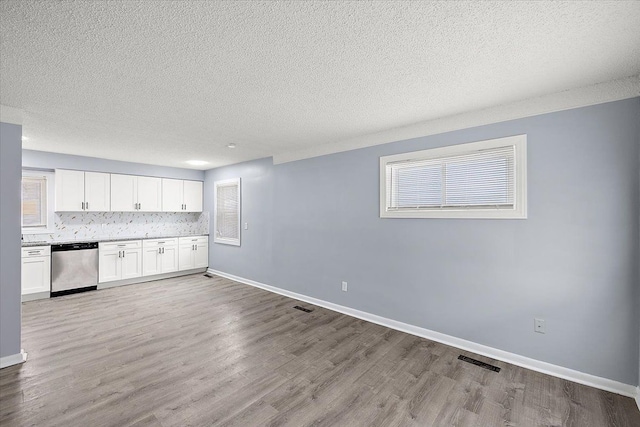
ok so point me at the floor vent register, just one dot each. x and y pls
(479, 363)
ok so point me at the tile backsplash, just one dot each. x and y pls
(83, 226)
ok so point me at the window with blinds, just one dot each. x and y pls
(226, 217)
(34, 202)
(484, 179)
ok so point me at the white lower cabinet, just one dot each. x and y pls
(36, 270)
(193, 252)
(119, 260)
(159, 256)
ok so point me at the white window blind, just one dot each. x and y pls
(478, 180)
(34, 202)
(227, 211)
(481, 179)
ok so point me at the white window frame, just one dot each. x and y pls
(216, 185)
(50, 192)
(520, 203)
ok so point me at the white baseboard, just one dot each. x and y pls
(493, 353)
(638, 397)
(36, 296)
(13, 359)
(142, 279)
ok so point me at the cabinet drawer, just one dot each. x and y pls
(32, 251)
(154, 243)
(116, 246)
(194, 240)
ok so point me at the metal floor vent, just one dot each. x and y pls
(306, 310)
(210, 276)
(479, 363)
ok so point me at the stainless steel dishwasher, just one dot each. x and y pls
(74, 268)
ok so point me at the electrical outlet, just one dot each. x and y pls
(538, 326)
(344, 286)
(246, 225)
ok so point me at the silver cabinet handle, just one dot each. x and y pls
(196, 247)
(119, 254)
(86, 205)
(162, 250)
(159, 250)
(82, 205)
(185, 206)
(123, 253)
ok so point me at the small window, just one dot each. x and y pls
(485, 179)
(37, 202)
(226, 216)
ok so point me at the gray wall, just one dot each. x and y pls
(46, 160)
(573, 262)
(10, 287)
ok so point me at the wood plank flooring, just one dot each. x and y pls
(196, 351)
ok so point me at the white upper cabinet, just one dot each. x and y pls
(124, 193)
(130, 193)
(172, 195)
(149, 194)
(181, 196)
(97, 191)
(78, 191)
(82, 191)
(69, 190)
(193, 196)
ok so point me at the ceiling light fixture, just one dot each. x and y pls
(231, 145)
(196, 162)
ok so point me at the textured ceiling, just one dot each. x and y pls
(162, 82)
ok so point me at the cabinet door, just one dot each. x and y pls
(109, 266)
(69, 190)
(124, 193)
(151, 261)
(169, 259)
(36, 275)
(185, 257)
(193, 196)
(97, 191)
(172, 195)
(131, 263)
(201, 256)
(149, 194)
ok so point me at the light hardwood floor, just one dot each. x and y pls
(195, 351)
